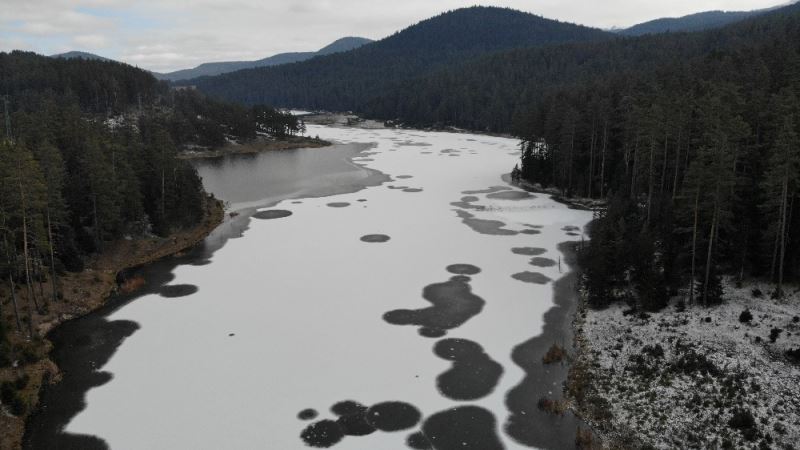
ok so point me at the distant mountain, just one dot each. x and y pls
(347, 81)
(80, 55)
(694, 22)
(343, 45)
(218, 68)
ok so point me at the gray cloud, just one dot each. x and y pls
(165, 35)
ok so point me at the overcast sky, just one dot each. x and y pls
(164, 35)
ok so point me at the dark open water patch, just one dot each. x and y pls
(511, 195)
(571, 233)
(397, 188)
(272, 214)
(375, 238)
(463, 269)
(531, 231)
(461, 278)
(418, 441)
(473, 375)
(490, 190)
(338, 204)
(413, 144)
(362, 200)
(467, 203)
(453, 304)
(482, 226)
(404, 177)
(412, 190)
(526, 423)
(177, 290)
(307, 414)
(322, 434)
(393, 416)
(469, 427)
(571, 228)
(528, 251)
(531, 277)
(347, 407)
(542, 262)
(432, 332)
(355, 419)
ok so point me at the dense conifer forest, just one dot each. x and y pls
(88, 155)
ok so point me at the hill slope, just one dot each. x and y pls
(218, 68)
(348, 81)
(79, 55)
(694, 22)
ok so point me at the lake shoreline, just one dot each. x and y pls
(255, 146)
(86, 292)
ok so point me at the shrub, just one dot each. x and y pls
(742, 420)
(746, 316)
(584, 439)
(656, 351)
(794, 354)
(554, 354)
(692, 362)
(549, 406)
(774, 333)
(22, 382)
(757, 293)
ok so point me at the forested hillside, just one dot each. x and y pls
(88, 156)
(693, 22)
(694, 139)
(351, 80)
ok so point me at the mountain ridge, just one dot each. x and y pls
(218, 68)
(345, 81)
(700, 21)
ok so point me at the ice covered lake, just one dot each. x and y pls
(374, 295)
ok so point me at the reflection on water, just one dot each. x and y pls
(269, 175)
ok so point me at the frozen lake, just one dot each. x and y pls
(397, 271)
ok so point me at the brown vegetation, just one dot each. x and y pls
(82, 293)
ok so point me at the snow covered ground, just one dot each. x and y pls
(293, 315)
(699, 378)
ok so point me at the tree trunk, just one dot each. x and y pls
(53, 275)
(711, 236)
(784, 201)
(650, 182)
(603, 163)
(694, 244)
(677, 165)
(591, 158)
(28, 278)
(664, 165)
(635, 163)
(14, 301)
